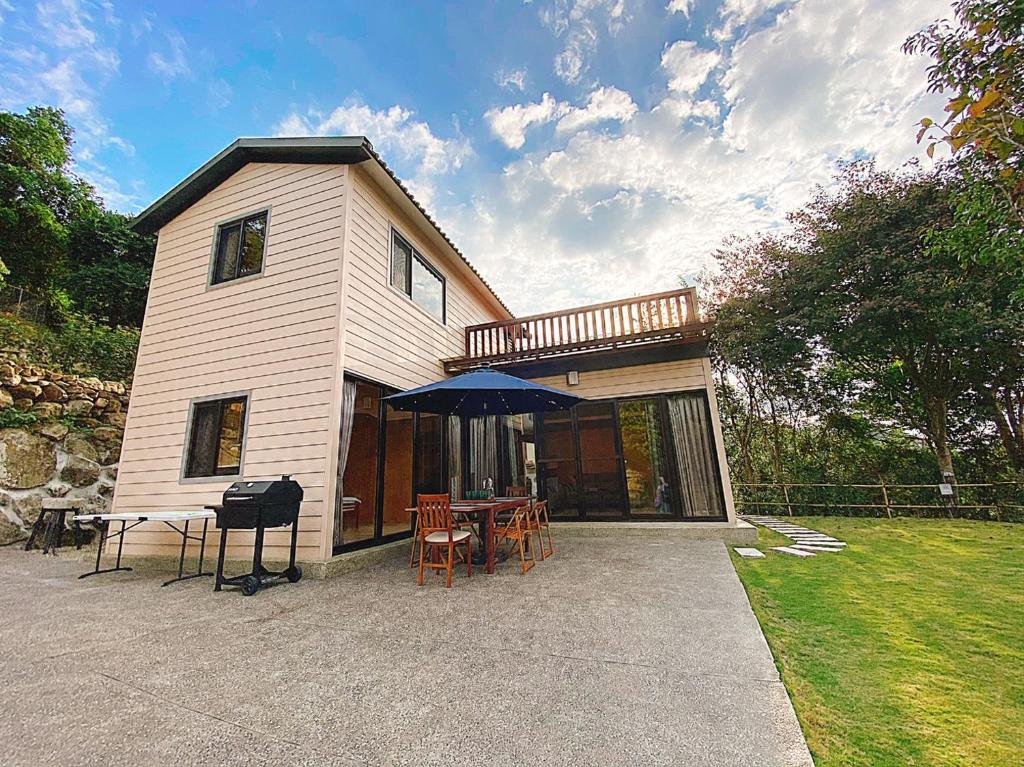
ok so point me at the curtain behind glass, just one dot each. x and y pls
(701, 491)
(348, 417)
(483, 451)
(455, 457)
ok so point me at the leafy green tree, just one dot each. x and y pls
(110, 268)
(39, 198)
(977, 62)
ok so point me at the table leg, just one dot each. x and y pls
(104, 535)
(489, 539)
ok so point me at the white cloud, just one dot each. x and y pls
(71, 59)
(627, 211)
(580, 23)
(736, 14)
(509, 124)
(172, 63)
(607, 103)
(688, 65)
(680, 6)
(407, 144)
(513, 80)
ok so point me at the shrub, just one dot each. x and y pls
(79, 345)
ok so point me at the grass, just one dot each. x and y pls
(905, 649)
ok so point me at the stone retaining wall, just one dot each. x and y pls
(71, 450)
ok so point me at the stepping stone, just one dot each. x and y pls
(794, 551)
(749, 553)
(809, 547)
(809, 538)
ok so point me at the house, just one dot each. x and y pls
(297, 282)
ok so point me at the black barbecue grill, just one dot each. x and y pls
(257, 506)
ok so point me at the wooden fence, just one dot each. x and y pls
(999, 501)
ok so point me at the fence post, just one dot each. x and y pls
(785, 493)
(885, 500)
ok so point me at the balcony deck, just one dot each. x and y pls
(643, 321)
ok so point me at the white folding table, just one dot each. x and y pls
(131, 520)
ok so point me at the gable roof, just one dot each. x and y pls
(328, 150)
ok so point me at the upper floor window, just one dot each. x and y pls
(413, 275)
(240, 246)
(215, 439)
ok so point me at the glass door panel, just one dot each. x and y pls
(644, 454)
(397, 472)
(556, 464)
(359, 483)
(602, 493)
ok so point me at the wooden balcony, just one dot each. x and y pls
(632, 322)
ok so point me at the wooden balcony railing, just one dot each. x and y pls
(658, 317)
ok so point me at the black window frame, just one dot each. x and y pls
(425, 263)
(188, 471)
(240, 222)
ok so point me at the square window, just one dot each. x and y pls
(216, 437)
(240, 248)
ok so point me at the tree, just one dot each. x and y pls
(865, 329)
(38, 197)
(977, 61)
(110, 267)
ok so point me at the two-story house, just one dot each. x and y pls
(297, 282)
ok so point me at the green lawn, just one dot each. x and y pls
(905, 649)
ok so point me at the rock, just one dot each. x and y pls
(53, 393)
(48, 410)
(55, 431)
(78, 445)
(106, 489)
(117, 420)
(26, 459)
(92, 382)
(9, 376)
(79, 406)
(114, 386)
(80, 472)
(114, 406)
(10, 532)
(101, 402)
(6, 400)
(58, 489)
(109, 473)
(86, 421)
(24, 403)
(95, 504)
(106, 434)
(28, 507)
(110, 455)
(25, 391)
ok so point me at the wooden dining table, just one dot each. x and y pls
(485, 512)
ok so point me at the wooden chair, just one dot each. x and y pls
(459, 522)
(516, 491)
(517, 532)
(438, 532)
(538, 521)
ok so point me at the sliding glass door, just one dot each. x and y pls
(391, 456)
(644, 458)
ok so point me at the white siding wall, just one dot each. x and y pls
(275, 335)
(635, 381)
(388, 338)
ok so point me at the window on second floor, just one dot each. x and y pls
(413, 275)
(240, 247)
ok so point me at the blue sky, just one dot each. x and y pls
(576, 150)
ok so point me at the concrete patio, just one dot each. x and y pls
(639, 650)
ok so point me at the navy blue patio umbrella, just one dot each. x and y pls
(483, 392)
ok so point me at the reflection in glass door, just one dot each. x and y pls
(556, 463)
(644, 455)
(601, 487)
